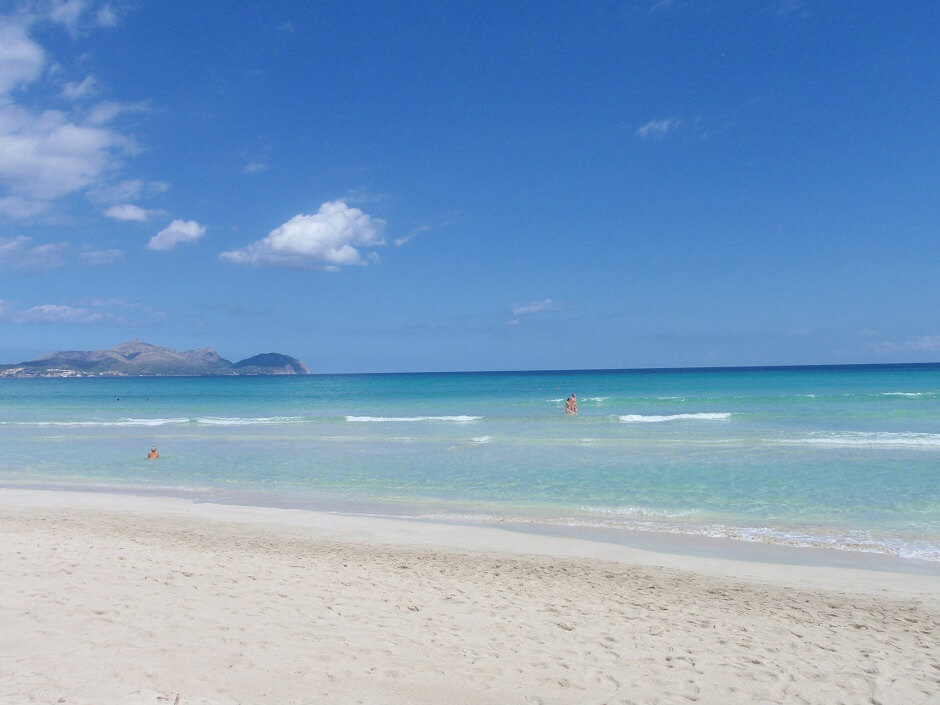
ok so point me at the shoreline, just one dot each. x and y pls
(763, 565)
(689, 544)
(120, 598)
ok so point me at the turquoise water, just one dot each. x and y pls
(841, 457)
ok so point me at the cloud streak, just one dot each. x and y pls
(97, 258)
(657, 129)
(98, 311)
(176, 233)
(923, 343)
(128, 211)
(534, 307)
(20, 253)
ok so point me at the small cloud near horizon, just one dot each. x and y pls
(106, 311)
(923, 343)
(54, 313)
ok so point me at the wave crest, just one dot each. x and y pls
(399, 419)
(705, 416)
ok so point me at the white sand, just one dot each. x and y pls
(115, 599)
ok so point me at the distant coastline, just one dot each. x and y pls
(136, 358)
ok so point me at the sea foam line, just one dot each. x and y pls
(117, 422)
(177, 421)
(652, 521)
(705, 416)
(236, 421)
(873, 439)
(398, 419)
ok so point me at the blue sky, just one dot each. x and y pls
(473, 185)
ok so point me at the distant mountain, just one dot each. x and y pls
(271, 364)
(138, 358)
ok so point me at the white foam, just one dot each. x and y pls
(208, 420)
(656, 521)
(641, 418)
(901, 394)
(637, 512)
(481, 439)
(117, 422)
(872, 439)
(235, 421)
(398, 419)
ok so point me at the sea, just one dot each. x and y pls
(842, 459)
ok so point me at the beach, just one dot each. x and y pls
(113, 598)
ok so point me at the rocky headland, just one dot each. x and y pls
(137, 358)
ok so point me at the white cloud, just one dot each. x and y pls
(100, 257)
(20, 253)
(656, 129)
(49, 154)
(330, 238)
(45, 156)
(534, 307)
(74, 90)
(67, 12)
(127, 211)
(21, 59)
(255, 168)
(106, 17)
(177, 232)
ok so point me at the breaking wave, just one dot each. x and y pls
(175, 421)
(397, 419)
(641, 418)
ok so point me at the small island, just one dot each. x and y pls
(136, 358)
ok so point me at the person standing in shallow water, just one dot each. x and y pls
(571, 404)
(153, 454)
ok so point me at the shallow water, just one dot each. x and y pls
(840, 457)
